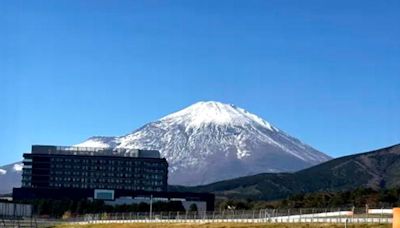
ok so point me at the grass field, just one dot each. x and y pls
(224, 225)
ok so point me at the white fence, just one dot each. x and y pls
(380, 211)
(8, 209)
(377, 216)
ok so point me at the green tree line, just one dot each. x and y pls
(359, 197)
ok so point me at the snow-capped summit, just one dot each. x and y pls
(211, 141)
(213, 112)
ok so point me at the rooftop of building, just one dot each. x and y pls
(94, 151)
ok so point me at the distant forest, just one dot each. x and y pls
(360, 197)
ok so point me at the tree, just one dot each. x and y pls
(193, 207)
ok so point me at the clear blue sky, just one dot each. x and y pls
(327, 72)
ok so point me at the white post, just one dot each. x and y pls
(151, 206)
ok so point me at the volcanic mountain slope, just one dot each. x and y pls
(207, 142)
(212, 141)
(376, 169)
(10, 176)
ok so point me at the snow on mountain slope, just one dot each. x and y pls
(212, 141)
(10, 176)
(100, 141)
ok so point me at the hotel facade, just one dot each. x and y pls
(63, 172)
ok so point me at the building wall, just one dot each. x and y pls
(26, 194)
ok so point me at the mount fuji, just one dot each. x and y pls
(212, 141)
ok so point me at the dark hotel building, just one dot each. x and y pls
(55, 172)
(94, 168)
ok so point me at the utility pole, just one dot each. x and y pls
(151, 206)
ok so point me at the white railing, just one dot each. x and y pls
(255, 216)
